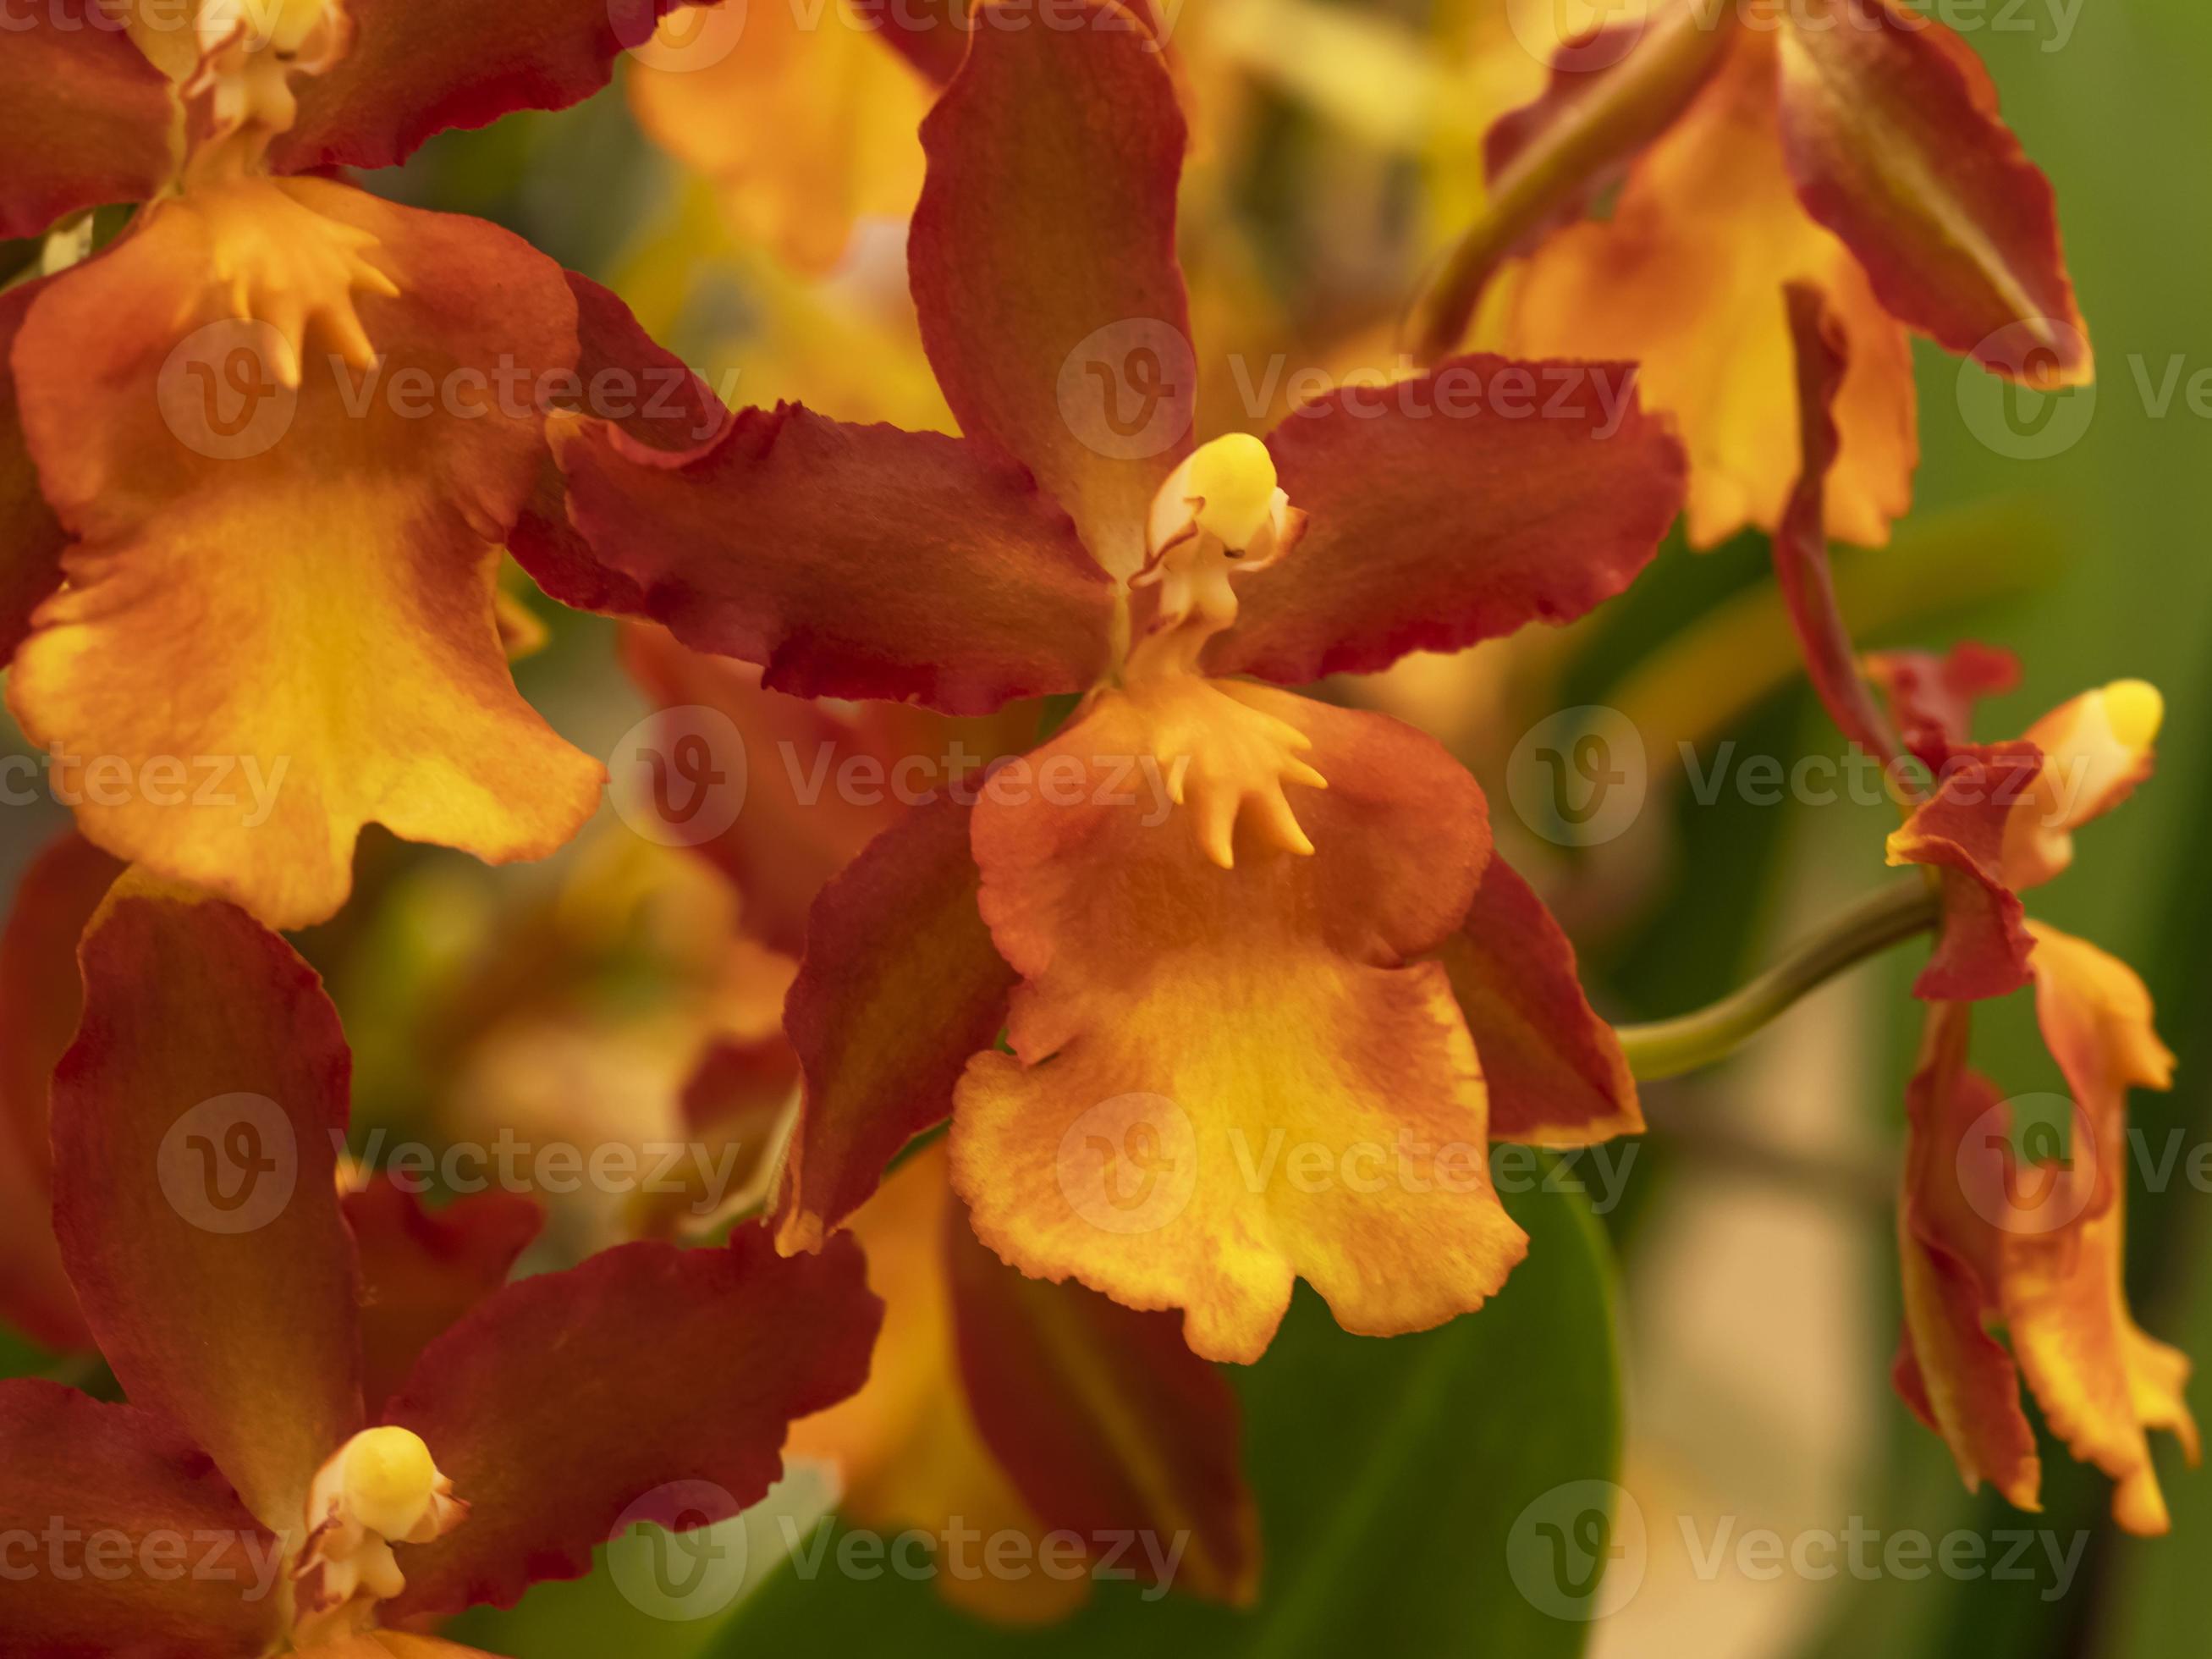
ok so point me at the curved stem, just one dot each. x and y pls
(1669, 1047)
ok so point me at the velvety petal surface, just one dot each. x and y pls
(197, 1122)
(84, 117)
(31, 537)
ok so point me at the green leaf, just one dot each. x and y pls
(1389, 1475)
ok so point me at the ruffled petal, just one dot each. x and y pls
(1932, 698)
(901, 984)
(414, 69)
(1686, 278)
(1982, 947)
(1432, 524)
(84, 117)
(556, 1434)
(848, 560)
(307, 582)
(1897, 148)
(40, 1000)
(906, 1448)
(2096, 749)
(1554, 1070)
(1223, 1079)
(197, 1122)
(1108, 1426)
(120, 1497)
(31, 539)
(422, 1270)
(1043, 265)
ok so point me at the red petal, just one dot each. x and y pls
(1431, 527)
(117, 1495)
(1043, 265)
(415, 69)
(31, 537)
(1932, 698)
(40, 999)
(624, 377)
(84, 116)
(1899, 150)
(563, 1407)
(848, 560)
(900, 986)
(1556, 1074)
(422, 1270)
(1107, 1423)
(1982, 946)
(197, 1120)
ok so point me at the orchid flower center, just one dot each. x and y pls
(1221, 515)
(382, 1487)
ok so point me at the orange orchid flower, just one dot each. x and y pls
(1987, 1238)
(331, 1467)
(1250, 946)
(1853, 146)
(258, 456)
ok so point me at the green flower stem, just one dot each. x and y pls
(1669, 1047)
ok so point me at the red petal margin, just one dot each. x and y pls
(1801, 542)
(84, 116)
(422, 1270)
(848, 560)
(1932, 698)
(570, 1404)
(31, 539)
(418, 67)
(1556, 1074)
(1043, 265)
(1437, 517)
(900, 986)
(1106, 1422)
(115, 1497)
(246, 1338)
(1897, 149)
(1982, 947)
(40, 1000)
(623, 376)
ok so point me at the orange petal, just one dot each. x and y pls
(1685, 278)
(1948, 1246)
(1108, 1425)
(2099, 1379)
(900, 986)
(1897, 148)
(31, 537)
(200, 1579)
(421, 1269)
(84, 117)
(1224, 1079)
(1430, 526)
(848, 560)
(197, 1125)
(258, 652)
(2096, 749)
(906, 1447)
(803, 125)
(1981, 950)
(1043, 265)
(1555, 1072)
(40, 1000)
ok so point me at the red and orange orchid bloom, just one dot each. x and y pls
(1250, 951)
(325, 1489)
(1985, 1238)
(258, 456)
(1854, 146)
